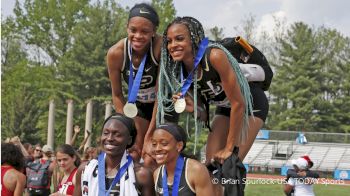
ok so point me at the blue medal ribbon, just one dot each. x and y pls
(134, 85)
(101, 174)
(201, 50)
(177, 177)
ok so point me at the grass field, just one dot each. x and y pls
(277, 190)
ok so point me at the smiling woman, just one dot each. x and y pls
(115, 173)
(177, 174)
(138, 54)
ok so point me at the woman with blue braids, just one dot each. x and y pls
(217, 80)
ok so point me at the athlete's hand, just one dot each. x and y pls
(222, 155)
(188, 100)
(76, 129)
(135, 153)
(147, 148)
(176, 97)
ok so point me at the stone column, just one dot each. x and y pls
(69, 124)
(51, 125)
(88, 122)
(109, 108)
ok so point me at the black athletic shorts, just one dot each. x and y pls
(145, 111)
(260, 103)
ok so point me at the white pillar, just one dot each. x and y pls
(69, 124)
(51, 125)
(88, 122)
(108, 111)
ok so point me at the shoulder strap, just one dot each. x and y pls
(126, 54)
(72, 174)
(45, 165)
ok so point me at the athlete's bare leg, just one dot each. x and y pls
(255, 125)
(217, 138)
(141, 125)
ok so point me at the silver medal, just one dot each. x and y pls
(180, 105)
(130, 110)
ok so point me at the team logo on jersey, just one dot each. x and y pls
(215, 88)
(146, 80)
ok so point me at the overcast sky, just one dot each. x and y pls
(230, 13)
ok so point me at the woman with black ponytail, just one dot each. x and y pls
(177, 175)
(138, 53)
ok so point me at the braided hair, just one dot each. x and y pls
(170, 79)
(173, 83)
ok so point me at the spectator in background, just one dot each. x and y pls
(38, 153)
(89, 154)
(13, 181)
(76, 132)
(26, 149)
(40, 187)
(300, 181)
(68, 161)
(301, 139)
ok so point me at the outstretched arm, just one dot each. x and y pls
(84, 141)
(76, 131)
(16, 141)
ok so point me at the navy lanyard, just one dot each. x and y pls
(177, 177)
(101, 174)
(201, 50)
(134, 85)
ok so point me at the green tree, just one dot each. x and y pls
(216, 33)
(47, 25)
(305, 90)
(333, 54)
(83, 68)
(63, 44)
(294, 86)
(166, 12)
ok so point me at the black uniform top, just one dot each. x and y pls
(209, 84)
(146, 93)
(184, 188)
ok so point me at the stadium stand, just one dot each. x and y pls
(326, 156)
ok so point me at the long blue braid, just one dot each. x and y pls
(169, 81)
